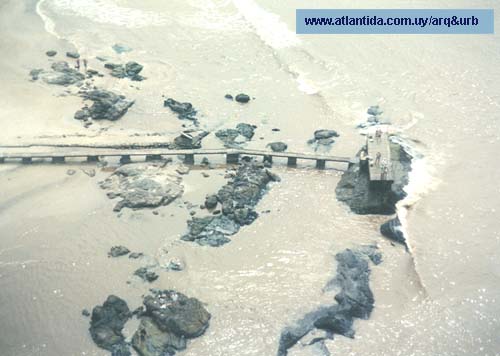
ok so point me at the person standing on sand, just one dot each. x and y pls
(77, 65)
(85, 64)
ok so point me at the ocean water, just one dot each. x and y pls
(441, 95)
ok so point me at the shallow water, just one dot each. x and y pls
(441, 92)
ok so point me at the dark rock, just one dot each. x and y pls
(205, 161)
(51, 53)
(278, 146)
(392, 230)
(135, 255)
(61, 74)
(176, 265)
(228, 96)
(238, 199)
(246, 130)
(275, 130)
(117, 251)
(354, 300)
(146, 275)
(211, 201)
(74, 55)
(321, 134)
(82, 114)
(35, 73)
(234, 137)
(107, 105)
(170, 319)
(107, 323)
(355, 189)
(190, 139)
(85, 312)
(185, 111)
(242, 98)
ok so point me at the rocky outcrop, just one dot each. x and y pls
(117, 251)
(278, 146)
(355, 189)
(146, 275)
(233, 138)
(237, 199)
(190, 139)
(61, 74)
(130, 70)
(184, 111)
(323, 137)
(106, 105)
(107, 323)
(353, 301)
(51, 53)
(142, 185)
(169, 321)
(74, 55)
(392, 230)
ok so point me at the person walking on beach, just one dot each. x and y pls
(77, 65)
(85, 64)
(378, 135)
(383, 175)
(377, 158)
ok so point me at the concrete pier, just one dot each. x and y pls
(58, 159)
(292, 162)
(124, 159)
(232, 158)
(320, 164)
(92, 158)
(189, 159)
(150, 158)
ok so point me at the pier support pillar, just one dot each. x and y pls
(232, 158)
(268, 158)
(320, 164)
(189, 159)
(292, 162)
(125, 159)
(150, 158)
(92, 159)
(27, 160)
(58, 159)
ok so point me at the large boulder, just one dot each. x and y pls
(170, 319)
(278, 146)
(242, 98)
(143, 185)
(107, 323)
(129, 70)
(106, 105)
(392, 229)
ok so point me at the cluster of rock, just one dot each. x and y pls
(60, 74)
(353, 301)
(323, 137)
(184, 111)
(141, 185)
(106, 105)
(130, 70)
(167, 321)
(233, 138)
(237, 200)
(241, 98)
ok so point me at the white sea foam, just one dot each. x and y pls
(49, 25)
(267, 25)
(101, 11)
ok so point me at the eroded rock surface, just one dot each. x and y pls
(237, 199)
(130, 70)
(106, 105)
(143, 185)
(61, 74)
(354, 300)
(184, 111)
(170, 319)
(355, 189)
(107, 323)
(235, 137)
(323, 137)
